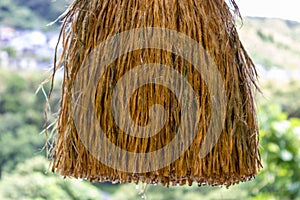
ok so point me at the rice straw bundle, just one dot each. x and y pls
(233, 157)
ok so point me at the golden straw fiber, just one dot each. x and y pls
(155, 91)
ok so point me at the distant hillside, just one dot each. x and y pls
(30, 14)
(272, 42)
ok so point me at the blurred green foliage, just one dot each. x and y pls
(46, 9)
(286, 94)
(30, 14)
(280, 139)
(30, 181)
(10, 51)
(21, 118)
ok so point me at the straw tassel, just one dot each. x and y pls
(87, 24)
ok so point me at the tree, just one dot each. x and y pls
(21, 118)
(280, 141)
(18, 141)
(30, 181)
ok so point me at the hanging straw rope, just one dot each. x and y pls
(87, 23)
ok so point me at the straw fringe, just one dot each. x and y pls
(234, 158)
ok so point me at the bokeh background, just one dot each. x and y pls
(26, 54)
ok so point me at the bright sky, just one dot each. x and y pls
(285, 9)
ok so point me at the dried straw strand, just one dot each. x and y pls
(234, 158)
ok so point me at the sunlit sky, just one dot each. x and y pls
(284, 9)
